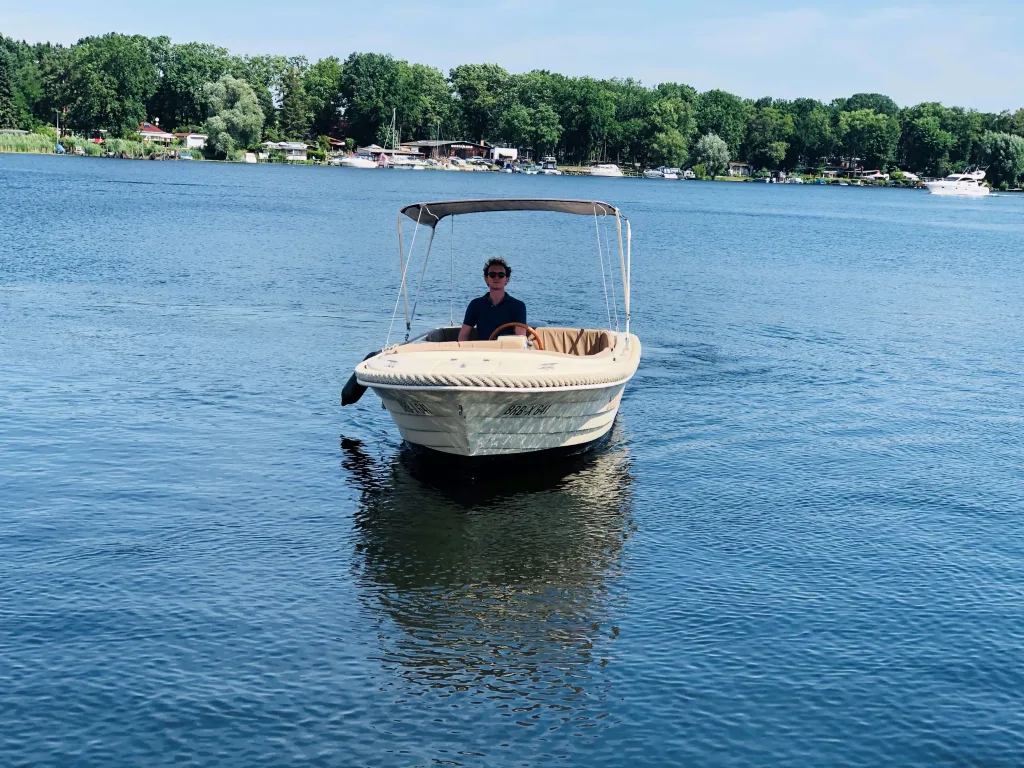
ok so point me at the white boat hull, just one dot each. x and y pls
(958, 189)
(501, 422)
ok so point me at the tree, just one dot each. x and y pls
(674, 125)
(264, 74)
(586, 111)
(767, 137)
(369, 91)
(322, 83)
(924, 146)
(108, 81)
(869, 136)
(293, 121)
(236, 119)
(424, 102)
(877, 102)
(8, 111)
(725, 116)
(1004, 155)
(185, 71)
(713, 153)
(479, 88)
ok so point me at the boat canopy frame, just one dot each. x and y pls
(431, 214)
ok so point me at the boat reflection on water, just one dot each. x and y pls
(497, 587)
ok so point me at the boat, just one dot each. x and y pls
(670, 173)
(554, 390)
(357, 161)
(654, 173)
(408, 163)
(689, 175)
(549, 167)
(965, 184)
(606, 169)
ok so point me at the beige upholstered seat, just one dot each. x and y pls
(574, 341)
(502, 342)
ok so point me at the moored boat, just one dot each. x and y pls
(610, 170)
(554, 389)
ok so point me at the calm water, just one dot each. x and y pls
(802, 547)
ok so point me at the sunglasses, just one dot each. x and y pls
(498, 275)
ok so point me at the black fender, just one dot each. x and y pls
(353, 390)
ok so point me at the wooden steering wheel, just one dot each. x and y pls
(529, 331)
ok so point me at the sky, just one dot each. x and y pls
(959, 53)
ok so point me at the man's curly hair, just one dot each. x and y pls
(499, 261)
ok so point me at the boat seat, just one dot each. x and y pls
(574, 341)
(502, 342)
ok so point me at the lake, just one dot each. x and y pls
(802, 545)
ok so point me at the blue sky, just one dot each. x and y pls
(966, 53)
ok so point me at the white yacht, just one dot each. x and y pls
(606, 169)
(553, 390)
(357, 161)
(966, 184)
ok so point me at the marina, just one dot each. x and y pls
(798, 544)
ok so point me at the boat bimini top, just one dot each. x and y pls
(431, 214)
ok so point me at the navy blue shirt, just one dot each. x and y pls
(486, 317)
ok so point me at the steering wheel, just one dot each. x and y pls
(529, 331)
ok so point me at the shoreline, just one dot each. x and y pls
(575, 171)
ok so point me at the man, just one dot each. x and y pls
(495, 307)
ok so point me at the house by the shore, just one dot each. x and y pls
(154, 133)
(441, 149)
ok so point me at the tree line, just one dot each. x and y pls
(113, 82)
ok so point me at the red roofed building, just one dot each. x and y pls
(150, 132)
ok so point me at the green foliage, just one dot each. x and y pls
(107, 83)
(46, 130)
(1003, 153)
(876, 102)
(768, 137)
(180, 101)
(8, 111)
(870, 136)
(294, 118)
(322, 84)
(712, 152)
(925, 146)
(369, 91)
(32, 142)
(725, 116)
(700, 171)
(479, 88)
(114, 82)
(236, 119)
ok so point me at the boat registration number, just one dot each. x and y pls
(417, 409)
(526, 410)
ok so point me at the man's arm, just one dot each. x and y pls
(521, 318)
(468, 322)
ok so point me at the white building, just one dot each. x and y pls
(504, 154)
(293, 150)
(192, 140)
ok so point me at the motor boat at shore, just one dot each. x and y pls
(554, 390)
(662, 172)
(549, 167)
(965, 184)
(609, 170)
(357, 161)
